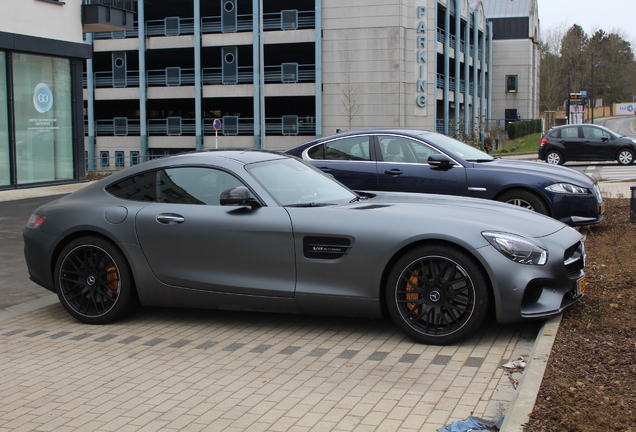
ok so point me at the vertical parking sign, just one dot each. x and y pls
(217, 125)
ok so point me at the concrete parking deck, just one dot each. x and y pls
(174, 369)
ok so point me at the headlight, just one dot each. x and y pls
(566, 188)
(516, 248)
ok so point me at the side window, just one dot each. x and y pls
(193, 185)
(422, 151)
(141, 187)
(352, 148)
(594, 133)
(570, 132)
(188, 185)
(317, 152)
(400, 149)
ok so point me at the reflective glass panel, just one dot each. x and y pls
(5, 176)
(43, 118)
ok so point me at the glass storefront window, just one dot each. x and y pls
(43, 118)
(5, 174)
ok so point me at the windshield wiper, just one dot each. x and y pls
(480, 160)
(309, 204)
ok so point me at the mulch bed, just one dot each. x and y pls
(590, 381)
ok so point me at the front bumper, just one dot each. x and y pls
(525, 292)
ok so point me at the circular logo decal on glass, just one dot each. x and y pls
(42, 98)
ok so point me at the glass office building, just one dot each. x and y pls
(42, 53)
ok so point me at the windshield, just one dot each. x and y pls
(293, 183)
(456, 148)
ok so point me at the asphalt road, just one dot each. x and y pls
(15, 286)
(623, 125)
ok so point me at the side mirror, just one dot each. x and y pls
(440, 161)
(604, 139)
(236, 196)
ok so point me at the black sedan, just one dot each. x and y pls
(428, 162)
(586, 143)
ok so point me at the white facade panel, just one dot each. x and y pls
(42, 19)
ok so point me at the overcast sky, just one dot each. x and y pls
(592, 15)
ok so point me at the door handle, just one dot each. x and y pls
(394, 172)
(325, 169)
(170, 218)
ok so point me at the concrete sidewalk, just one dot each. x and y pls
(167, 369)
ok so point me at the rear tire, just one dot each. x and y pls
(437, 294)
(94, 282)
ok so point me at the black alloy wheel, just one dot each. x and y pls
(525, 199)
(94, 281)
(437, 294)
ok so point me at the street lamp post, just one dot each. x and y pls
(593, 100)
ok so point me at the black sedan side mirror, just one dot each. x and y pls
(440, 161)
(237, 196)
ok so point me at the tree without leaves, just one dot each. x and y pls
(571, 56)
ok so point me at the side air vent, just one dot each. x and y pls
(326, 248)
(371, 207)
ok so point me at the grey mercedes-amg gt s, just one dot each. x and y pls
(256, 230)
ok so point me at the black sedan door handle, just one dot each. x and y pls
(325, 169)
(170, 218)
(394, 172)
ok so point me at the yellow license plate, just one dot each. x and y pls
(580, 286)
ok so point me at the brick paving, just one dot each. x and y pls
(174, 369)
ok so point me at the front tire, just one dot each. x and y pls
(525, 199)
(94, 282)
(437, 294)
(625, 157)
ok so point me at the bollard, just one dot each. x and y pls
(632, 204)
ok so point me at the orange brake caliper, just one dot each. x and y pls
(413, 282)
(111, 278)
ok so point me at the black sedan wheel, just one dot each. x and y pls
(554, 158)
(437, 295)
(625, 157)
(94, 282)
(524, 198)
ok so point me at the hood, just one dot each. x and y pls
(486, 214)
(552, 173)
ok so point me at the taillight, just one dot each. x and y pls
(543, 141)
(35, 221)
